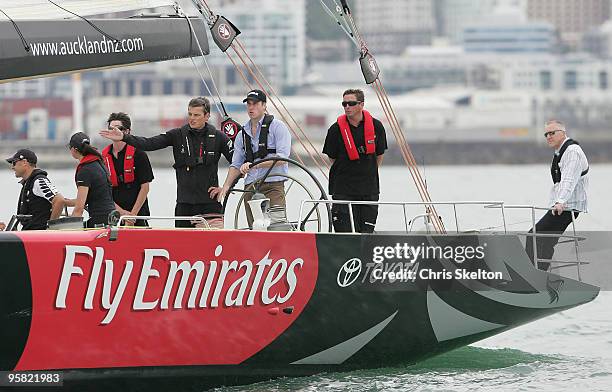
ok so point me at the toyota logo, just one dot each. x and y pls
(349, 272)
(224, 31)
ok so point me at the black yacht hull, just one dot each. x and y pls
(197, 309)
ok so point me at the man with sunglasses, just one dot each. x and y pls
(355, 144)
(38, 196)
(568, 195)
(130, 172)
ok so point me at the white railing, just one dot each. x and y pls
(409, 223)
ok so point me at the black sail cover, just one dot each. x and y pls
(62, 46)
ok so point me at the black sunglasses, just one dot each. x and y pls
(119, 127)
(550, 133)
(350, 103)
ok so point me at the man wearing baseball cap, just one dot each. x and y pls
(263, 137)
(38, 196)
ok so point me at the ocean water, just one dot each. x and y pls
(568, 351)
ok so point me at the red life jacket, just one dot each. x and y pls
(85, 160)
(347, 136)
(128, 165)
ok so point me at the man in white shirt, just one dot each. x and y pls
(568, 195)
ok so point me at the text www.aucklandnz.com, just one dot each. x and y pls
(83, 46)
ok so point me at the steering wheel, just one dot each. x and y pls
(299, 224)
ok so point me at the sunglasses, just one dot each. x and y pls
(350, 103)
(119, 127)
(550, 133)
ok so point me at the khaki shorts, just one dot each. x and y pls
(275, 191)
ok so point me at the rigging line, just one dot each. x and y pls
(25, 43)
(284, 114)
(204, 81)
(242, 75)
(393, 121)
(199, 7)
(319, 156)
(342, 12)
(272, 100)
(250, 86)
(408, 158)
(86, 20)
(222, 108)
(331, 14)
(261, 86)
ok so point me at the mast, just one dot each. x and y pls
(77, 102)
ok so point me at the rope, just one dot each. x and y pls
(392, 119)
(259, 78)
(323, 160)
(86, 20)
(25, 43)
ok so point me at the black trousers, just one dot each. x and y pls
(548, 224)
(184, 209)
(364, 216)
(96, 221)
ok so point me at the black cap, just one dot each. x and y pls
(78, 140)
(255, 95)
(24, 153)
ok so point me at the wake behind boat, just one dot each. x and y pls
(187, 309)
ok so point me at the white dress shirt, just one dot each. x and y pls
(571, 191)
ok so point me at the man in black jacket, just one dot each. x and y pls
(197, 148)
(38, 197)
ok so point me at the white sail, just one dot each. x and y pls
(41, 9)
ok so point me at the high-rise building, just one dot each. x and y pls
(389, 26)
(452, 16)
(273, 33)
(571, 17)
(508, 31)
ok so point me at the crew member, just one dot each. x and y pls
(355, 144)
(568, 195)
(197, 148)
(39, 197)
(94, 190)
(263, 136)
(130, 173)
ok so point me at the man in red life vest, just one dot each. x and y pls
(355, 144)
(130, 172)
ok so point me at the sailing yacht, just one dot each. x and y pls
(183, 309)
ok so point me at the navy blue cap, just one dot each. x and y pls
(255, 95)
(24, 153)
